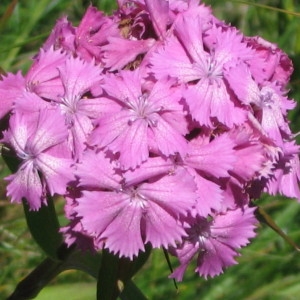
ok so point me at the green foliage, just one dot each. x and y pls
(268, 268)
(79, 291)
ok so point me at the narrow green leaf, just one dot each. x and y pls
(32, 284)
(275, 289)
(44, 227)
(84, 261)
(70, 258)
(115, 273)
(72, 291)
(131, 291)
(7, 14)
(128, 268)
(36, 14)
(107, 286)
(7, 48)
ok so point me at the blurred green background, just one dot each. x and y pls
(268, 268)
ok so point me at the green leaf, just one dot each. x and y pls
(44, 228)
(131, 291)
(71, 258)
(84, 261)
(74, 291)
(107, 286)
(115, 273)
(7, 14)
(31, 285)
(36, 14)
(278, 289)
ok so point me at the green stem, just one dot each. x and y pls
(31, 285)
(263, 216)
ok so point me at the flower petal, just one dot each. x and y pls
(26, 183)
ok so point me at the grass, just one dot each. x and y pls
(268, 268)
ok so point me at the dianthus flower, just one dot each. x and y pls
(11, 87)
(146, 209)
(171, 121)
(214, 241)
(145, 116)
(45, 164)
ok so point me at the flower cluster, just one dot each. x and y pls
(158, 124)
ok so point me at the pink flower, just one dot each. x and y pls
(270, 105)
(269, 63)
(214, 240)
(125, 216)
(159, 14)
(143, 113)
(286, 174)
(11, 88)
(30, 103)
(119, 51)
(78, 78)
(43, 76)
(38, 140)
(200, 161)
(62, 37)
(249, 153)
(202, 155)
(159, 125)
(209, 195)
(92, 34)
(185, 57)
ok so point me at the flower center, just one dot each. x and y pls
(142, 109)
(200, 231)
(137, 199)
(69, 108)
(267, 99)
(209, 68)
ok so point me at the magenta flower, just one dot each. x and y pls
(74, 232)
(144, 114)
(185, 57)
(269, 63)
(214, 241)
(202, 155)
(249, 153)
(30, 103)
(38, 140)
(120, 52)
(200, 161)
(43, 76)
(125, 216)
(62, 37)
(159, 125)
(286, 176)
(270, 105)
(78, 79)
(92, 34)
(11, 88)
